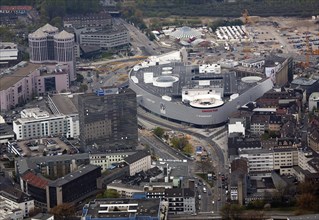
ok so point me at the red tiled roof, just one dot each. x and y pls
(35, 180)
(14, 8)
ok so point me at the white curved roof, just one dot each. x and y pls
(38, 34)
(48, 28)
(185, 33)
(64, 35)
(206, 103)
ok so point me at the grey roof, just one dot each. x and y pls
(6, 130)
(189, 78)
(42, 216)
(145, 207)
(179, 192)
(64, 105)
(303, 81)
(30, 163)
(8, 191)
(74, 175)
(137, 156)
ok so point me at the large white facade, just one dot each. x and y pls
(35, 123)
(105, 160)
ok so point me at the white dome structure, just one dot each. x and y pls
(185, 33)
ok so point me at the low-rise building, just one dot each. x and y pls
(14, 200)
(259, 124)
(313, 139)
(8, 54)
(140, 161)
(108, 160)
(57, 179)
(124, 209)
(125, 190)
(180, 200)
(314, 101)
(237, 125)
(106, 38)
(15, 9)
(43, 216)
(6, 134)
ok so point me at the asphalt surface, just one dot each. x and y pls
(139, 40)
(216, 194)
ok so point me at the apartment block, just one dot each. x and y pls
(180, 200)
(37, 123)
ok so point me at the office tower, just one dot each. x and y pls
(47, 45)
(108, 120)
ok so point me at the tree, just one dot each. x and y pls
(79, 78)
(109, 193)
(159, 132)
(63, 211)
(83, 88)
(188, 149)
(307, 201)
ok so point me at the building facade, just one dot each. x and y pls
(13, 199)
(8, 53)
(110, 38)
(140, 161)
(106, 160)
(180, 200)
(108, 121)
(47, 44)
(73, 186)
(124, 209)
(21, 83)
(98, 30)
(36, 123)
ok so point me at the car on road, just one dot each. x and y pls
(204, 189)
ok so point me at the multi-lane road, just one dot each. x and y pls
(215, 197)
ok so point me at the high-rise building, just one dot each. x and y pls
(108, 120)
(47, 44)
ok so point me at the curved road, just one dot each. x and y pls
(154, 119)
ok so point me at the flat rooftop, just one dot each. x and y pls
(64, 104)
(122, 208)
(16, 74)
(74, 175)
(303, 81)
(189, 78)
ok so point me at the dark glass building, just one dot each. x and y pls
(108, 120)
